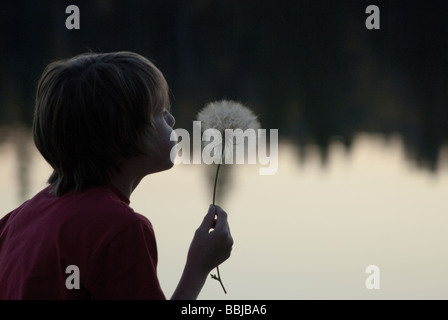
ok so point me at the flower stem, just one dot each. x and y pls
(216, 182)
(214, 196)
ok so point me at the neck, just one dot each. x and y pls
(125, 188)
(125, 181)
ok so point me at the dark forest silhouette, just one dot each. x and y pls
(309, 68)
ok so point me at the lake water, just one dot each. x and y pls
(307, 232)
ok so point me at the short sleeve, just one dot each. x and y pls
(126, 266)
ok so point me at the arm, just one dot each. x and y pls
(211, 245)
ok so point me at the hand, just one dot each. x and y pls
(212, 242)
(211, 246)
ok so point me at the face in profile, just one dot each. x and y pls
(158, 144)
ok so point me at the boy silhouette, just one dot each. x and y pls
(103, 122)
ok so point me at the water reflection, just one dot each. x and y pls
(307, 232)
(341, 199)
(308, 68)
(18, 141)
(18, 156)
(225, 181)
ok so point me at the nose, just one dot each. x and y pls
(170, 119)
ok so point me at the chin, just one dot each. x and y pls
(168, 166)
(159, 167)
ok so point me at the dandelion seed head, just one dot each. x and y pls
(227, 114)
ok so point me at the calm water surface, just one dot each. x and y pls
(307, 232)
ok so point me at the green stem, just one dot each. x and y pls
(214, 196)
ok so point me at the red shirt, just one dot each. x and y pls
(113, 247)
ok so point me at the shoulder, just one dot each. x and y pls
(76, 219)
(103, 209)
(97, 220)
(86, 218)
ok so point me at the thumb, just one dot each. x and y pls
(209, 219)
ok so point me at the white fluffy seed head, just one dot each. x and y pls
(227, 114)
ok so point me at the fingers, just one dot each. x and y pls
(221, 221)
(223, 231)
(209, 247)
(218, 223)
(209, 219)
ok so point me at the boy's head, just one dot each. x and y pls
(95, 110)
